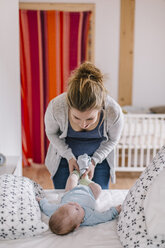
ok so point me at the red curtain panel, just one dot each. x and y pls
(52, 44)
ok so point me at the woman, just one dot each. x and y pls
(85, 119)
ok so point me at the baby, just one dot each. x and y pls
(77, 207)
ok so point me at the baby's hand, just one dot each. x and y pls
(118, 208)
(38, 199)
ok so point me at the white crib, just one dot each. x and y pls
(143, 135)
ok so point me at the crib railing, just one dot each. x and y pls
(143, 135)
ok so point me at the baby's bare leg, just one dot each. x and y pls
(72, 181)
(96, 189)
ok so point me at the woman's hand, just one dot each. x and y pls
(90, 171)
(73, 165)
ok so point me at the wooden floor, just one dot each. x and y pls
(40, 174)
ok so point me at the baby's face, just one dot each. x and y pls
(75, 211)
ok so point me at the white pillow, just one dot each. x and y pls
(154, 206)
(134, 226)
(20, 215)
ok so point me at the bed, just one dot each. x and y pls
(142, 137)
(102, 235)
(139, 225)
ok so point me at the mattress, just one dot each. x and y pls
(102, 235)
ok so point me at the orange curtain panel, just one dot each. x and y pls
(52, 44)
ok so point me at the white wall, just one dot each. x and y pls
(10, 117)
(149, 57)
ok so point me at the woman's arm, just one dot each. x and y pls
(114, 133)
(54, 122)
(53, 131)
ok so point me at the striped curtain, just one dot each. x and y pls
(52, 44)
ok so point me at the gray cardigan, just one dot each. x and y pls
(56, 127)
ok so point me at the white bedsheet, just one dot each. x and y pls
(99, 236)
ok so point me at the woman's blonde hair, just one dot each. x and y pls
(85, 88)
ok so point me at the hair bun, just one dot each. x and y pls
(88, 70)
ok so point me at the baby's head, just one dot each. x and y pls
(66, 219)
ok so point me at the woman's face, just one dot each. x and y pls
(84, 119)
